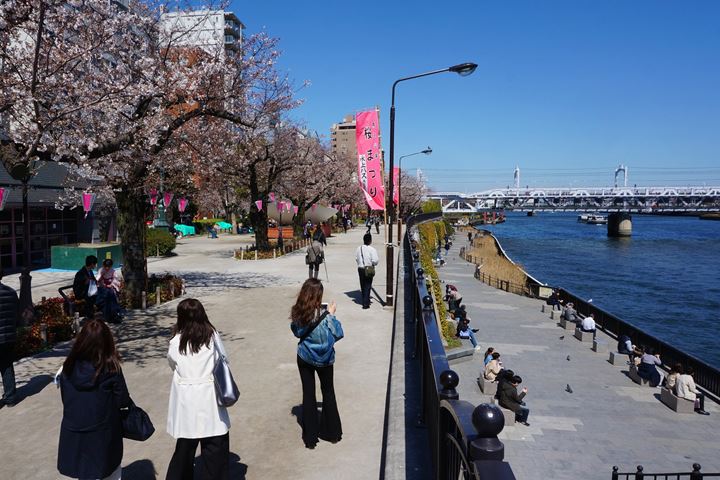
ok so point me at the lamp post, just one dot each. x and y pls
(427, 151)
(462, 69)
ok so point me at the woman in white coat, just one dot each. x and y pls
(193, 412)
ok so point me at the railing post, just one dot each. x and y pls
(696, 474)
(615, 473)
(639, 475)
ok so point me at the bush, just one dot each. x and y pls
(159, 242)
(59, 328)
(202, 224)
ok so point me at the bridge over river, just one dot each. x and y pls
(586, 199)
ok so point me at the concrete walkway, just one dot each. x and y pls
(607, 420)
(249, 303)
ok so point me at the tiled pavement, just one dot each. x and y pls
(607, 420)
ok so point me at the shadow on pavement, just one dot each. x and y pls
(34, 386)
(140, 470)
(377, 295)
(238, 470)
(355, 295)
(143, 339)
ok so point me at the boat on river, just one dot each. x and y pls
(597, 220)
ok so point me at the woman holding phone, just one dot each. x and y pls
(317, 329)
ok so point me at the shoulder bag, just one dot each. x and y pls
(136, 424)
(226, 391)
(369, 270)
(313, 327)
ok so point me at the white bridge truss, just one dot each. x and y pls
(599, 199)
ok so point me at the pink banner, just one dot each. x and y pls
(367, 134)
(295, 210)
(88, 199)
(182, 204)
(153, 196)
(314, 206)
(271, 197)
(3, 197)
(396, 182)
(167, 198)
(258, 204)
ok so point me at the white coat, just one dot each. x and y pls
(685, 386)
(193, 411)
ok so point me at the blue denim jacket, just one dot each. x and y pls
(318, 347)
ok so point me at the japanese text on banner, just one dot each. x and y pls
(367, 134)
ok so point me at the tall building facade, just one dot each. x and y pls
(207, 29)
(342, 139)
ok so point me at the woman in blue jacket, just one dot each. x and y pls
(317, 330)
(93, 391)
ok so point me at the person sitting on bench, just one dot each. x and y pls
(647, 370)
(510, 399)
(686, 389)
(588, 324)
(671, 380)
(492, 369)
(464, 331)
(554, 300)
(570, 314)
(488, 355)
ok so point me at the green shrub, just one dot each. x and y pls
(432, 205)
(159, 241)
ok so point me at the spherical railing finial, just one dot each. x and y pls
(488, 420)
(449, 380)
(427, 300)
(420, 273)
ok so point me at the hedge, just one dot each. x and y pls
(159, 241)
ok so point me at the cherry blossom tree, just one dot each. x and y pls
(105, 88)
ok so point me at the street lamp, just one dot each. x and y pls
(462, 69)
(427, 151)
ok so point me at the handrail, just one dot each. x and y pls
(455, 443)
(706, 376)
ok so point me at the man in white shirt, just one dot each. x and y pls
(588, 324)
(366, 256)
(685, 386)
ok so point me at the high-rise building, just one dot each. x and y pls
(342, 139)
(207, 29)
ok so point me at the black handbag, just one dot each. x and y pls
(136, 424)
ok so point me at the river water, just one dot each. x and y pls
(664, 279)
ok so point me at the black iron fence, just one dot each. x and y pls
(706, 376)
(463, 437)
(640, 474)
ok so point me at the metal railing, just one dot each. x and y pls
(640, 474)
(458, 450)
(706, 376)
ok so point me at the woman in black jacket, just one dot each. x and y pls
(93, 391)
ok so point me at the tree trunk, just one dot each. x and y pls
(131, 224)
(259, 222)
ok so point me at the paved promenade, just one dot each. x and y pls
(607, 419)
(249, 303)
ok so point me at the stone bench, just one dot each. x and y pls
(680, 405)
(567, 325)
(635, 377)
(487, 387)
(509, 415)
(600, 346)
(555, 313)
(618, 359)
(584, 336)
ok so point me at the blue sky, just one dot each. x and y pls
(566, 90)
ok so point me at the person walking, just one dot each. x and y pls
(85, 286)
(8, 335)
(319, 235)
(366, 258)
(377, 225)
(314, 256)
(109, 282)
(93, 390)
(317, 330)
(193, 412)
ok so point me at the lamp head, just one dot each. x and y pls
(427, 151)
(463, 69)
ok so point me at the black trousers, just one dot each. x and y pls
(700, 401)
(365, 287)
(7, 371)
(328, 427)
(313, 270)
(215, 454)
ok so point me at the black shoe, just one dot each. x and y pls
(475, 330)
(310, 446)
(702, 412)
(365, 307)
(525, 423)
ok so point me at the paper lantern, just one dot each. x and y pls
(88, 199)
(167, 198)
(153, 194)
